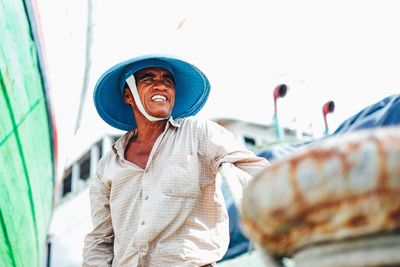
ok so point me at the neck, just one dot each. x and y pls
(139, 148)
(149, 130)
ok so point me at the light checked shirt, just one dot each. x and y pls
(171, 213)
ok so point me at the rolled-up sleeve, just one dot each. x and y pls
(98, 247)
(236, 164)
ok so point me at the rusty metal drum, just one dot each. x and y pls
(340, 189)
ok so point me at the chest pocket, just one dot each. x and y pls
(181, 177)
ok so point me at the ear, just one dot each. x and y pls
(128, 97)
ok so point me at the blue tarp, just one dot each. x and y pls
(383, 113)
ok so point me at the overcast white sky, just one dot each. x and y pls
(346, 51)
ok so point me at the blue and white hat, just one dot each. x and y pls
(191, 89)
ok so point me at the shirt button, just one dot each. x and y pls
(143, 250)
(146, 197)
(142, 253)
(142, 223)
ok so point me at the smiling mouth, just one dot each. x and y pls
(158, 98)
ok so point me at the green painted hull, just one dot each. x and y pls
(26, 146)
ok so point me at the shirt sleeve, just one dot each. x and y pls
(236, 164)
(98, 248)
(223, 148)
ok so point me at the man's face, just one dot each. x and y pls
(156, 90)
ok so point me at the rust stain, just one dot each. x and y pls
(297, 196)
(315, 154)
(353, 146)
(345, 165)
(334, 204)
(274, 238)
(298, 228)
(394, 215)
(278, 213)
(320, 156)
(357, 221)
(383, 176)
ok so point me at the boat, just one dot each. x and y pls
(28, 143)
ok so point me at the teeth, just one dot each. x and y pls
(158, 98)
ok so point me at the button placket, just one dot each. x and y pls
(143, 249)
(145, 180)
(144, 197)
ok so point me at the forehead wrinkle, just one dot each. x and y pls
(152, 72)
(146, 75)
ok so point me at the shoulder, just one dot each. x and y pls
(197, 122)
(203, 128)
(104, 162)
(188, 120)
(197, 126)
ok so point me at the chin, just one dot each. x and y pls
(160, 114)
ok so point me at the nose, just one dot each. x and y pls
(160, 85)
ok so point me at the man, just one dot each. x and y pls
(154, 199)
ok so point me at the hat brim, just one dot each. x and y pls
(191, 91)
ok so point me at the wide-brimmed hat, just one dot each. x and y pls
(191, 89)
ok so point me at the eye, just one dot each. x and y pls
(146, 80)
(168, 81)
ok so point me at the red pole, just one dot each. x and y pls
(279, 91)
(328, 107)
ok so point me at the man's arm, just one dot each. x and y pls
(98, 249)
(236, 164)
(223, 148)
(235, 179)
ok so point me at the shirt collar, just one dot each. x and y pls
(174, 123)
(120, 145)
